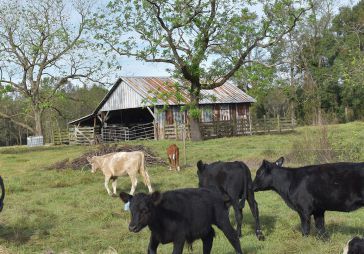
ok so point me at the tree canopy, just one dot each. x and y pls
(205, 41)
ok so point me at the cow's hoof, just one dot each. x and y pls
(323, 236)
(260, 237)
(114, 195)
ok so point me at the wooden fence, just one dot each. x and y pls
(84, 135)
(247, 126)
(60, 137)
(173, 131)
(216, 129)
(117, 133)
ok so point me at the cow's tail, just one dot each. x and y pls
(2, 193)
(143, 171)
(246, 186)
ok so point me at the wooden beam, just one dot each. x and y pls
(151, 112)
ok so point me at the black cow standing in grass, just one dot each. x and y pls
(181, 216)
(354, 246)
(2, 194)
(234, 180)
(312, 190)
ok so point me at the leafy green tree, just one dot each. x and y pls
(205, 41)
(42, 46)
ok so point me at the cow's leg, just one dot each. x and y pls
(178, 246)
(254, 209)
(170, 162)
(207, 241)
(114, 181)
(174, 161)
(153, 245)
(223, 223)
(320, 223)
(238, 216)
(305, 223)
(177, 162)
(134, 182)
(107, 180)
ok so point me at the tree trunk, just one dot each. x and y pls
(38, 122)
(195, 129)
(194, 119)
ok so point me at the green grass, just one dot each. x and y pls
(69, 211)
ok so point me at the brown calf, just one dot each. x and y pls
(173, 157)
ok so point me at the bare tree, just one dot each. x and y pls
(43, 45)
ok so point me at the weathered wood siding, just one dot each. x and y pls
(123, 97)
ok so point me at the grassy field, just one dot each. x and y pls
(69, 211)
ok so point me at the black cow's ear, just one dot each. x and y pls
(200, 166)
(125, 197)
(279, 162)
(156, 197)
(266, 165)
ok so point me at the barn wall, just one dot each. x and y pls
(123, 97)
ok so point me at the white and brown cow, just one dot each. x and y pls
(173, 157)
(118, 164)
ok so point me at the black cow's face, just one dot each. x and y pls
(141, 208)
(263, 179)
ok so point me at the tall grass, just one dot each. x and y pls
(69, 211)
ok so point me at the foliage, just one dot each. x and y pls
(42, 46)
(205, 41)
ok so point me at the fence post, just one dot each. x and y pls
(278, 123)
(176, 130)
(184, 144)
(250, 125)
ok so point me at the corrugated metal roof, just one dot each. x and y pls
(148, 87)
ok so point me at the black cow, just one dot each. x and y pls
(312, 190)
(354, 246)
(181, 216)
(234, 180)
(2, 194)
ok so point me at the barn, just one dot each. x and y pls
(153, 108)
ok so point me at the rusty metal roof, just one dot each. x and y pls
(149, 87)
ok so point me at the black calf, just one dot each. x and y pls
(181, 216)
(354, 246)
(234, 180)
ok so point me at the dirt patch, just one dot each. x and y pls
(82, 163)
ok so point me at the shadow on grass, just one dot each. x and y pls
(37, 224)
(16, 234)
(19, 235)
(332, 228)
(343, 229)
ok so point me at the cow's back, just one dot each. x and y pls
(333, 186)
(192, 210)
(231, 176)
(121, 163)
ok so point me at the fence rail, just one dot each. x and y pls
(117, 133)
(173, 131)
(246, 126)
(216, 129)
(83, 135)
